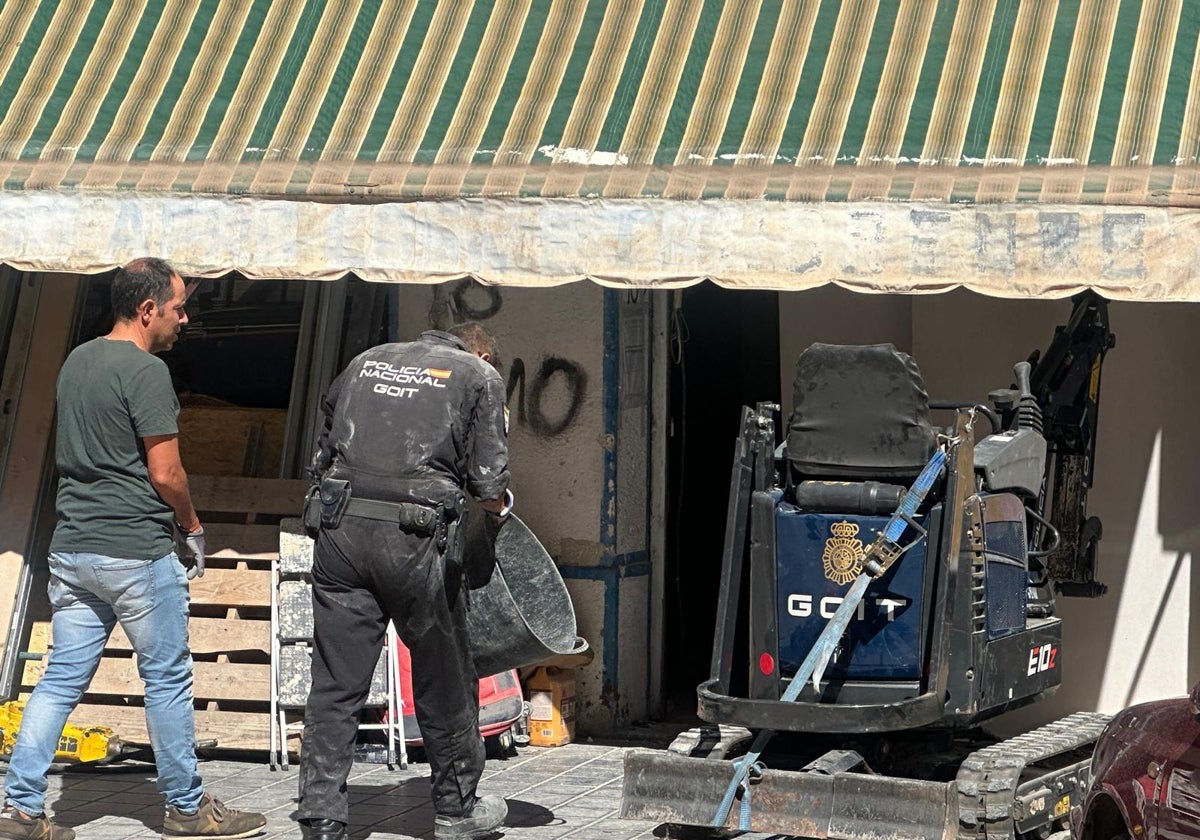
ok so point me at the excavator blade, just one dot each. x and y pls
(664, 787)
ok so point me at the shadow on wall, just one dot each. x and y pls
(1131, 645)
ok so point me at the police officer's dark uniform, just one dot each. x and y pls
(408, 427)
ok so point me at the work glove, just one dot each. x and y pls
(494, 521)
(508, 505)
(189, 545)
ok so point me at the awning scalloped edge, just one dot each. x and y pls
(1002, 250)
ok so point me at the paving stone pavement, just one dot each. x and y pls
(572, 792)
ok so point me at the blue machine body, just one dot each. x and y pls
(815, 557)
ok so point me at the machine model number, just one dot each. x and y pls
(1042, 659)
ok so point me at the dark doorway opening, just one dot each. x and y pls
(724, 354)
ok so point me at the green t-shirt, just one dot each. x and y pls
(111, 394)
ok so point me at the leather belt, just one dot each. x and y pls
(414, 517)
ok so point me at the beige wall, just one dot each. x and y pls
(1133, 644)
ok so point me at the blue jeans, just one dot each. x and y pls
(90, 593)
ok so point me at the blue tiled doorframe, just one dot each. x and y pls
(613, 567)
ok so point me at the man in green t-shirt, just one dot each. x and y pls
(122, 492)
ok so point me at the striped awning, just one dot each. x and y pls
(1033, 121)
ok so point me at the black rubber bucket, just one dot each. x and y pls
(519, 611)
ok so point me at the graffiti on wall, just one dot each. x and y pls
(540, 410)
(548, 398)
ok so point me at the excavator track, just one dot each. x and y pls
(1023, 785)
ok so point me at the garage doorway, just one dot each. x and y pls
(250, 370)
(724, 353)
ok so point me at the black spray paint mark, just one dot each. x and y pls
(464, 310)
(447, 308)
(574, 382)
(456, 308)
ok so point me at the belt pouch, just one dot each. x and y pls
(335, 495)
(312, 512)
(417, 519)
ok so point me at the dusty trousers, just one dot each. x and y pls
(364, 573)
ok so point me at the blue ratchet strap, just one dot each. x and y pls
(752, 777)
(823, 649)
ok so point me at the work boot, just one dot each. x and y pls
(212, 819)
(321, 829)
(18, 825)
(487, 816)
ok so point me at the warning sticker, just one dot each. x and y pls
(541, 705)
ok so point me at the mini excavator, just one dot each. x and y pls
(887, 585)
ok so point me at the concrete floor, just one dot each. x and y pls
(572, 791)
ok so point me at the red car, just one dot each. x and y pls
(1145, 775)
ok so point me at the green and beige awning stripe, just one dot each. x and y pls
(1014, 146)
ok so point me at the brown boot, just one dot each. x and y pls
(17, 825)
(212, 819)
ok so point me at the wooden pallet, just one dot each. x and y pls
(229, 629)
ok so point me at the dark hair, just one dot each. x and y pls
(146, 278)
(478, 339)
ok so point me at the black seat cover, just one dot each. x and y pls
(859, 411)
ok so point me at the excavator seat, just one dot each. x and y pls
(858, 412)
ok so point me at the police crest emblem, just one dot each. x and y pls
(843, 553)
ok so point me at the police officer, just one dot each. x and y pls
(408, 429)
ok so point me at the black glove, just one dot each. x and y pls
(189, 546)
